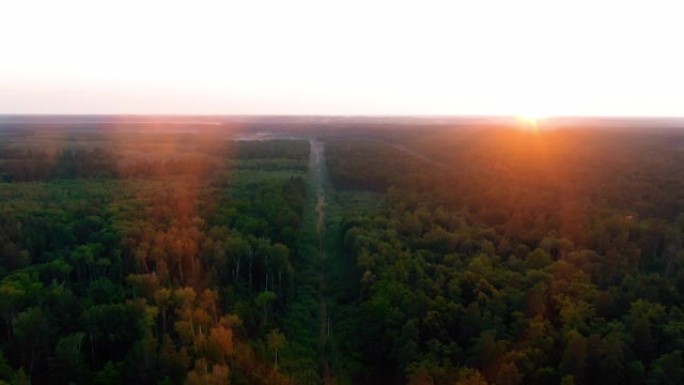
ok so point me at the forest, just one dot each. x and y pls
(331, 254)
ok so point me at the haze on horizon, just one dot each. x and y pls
(532, 58)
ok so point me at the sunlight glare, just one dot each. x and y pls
(530, 122)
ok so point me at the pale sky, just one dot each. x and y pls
(348, 57)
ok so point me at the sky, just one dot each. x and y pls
(524, 58)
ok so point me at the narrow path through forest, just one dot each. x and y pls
(318, 164)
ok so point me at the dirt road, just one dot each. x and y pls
(317, 166)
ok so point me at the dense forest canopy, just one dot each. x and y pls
(378, 254)
(511, 257)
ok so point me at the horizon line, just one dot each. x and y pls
(295, 115)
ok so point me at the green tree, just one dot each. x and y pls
(67, 363)
(276, 340)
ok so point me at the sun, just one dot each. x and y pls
(530, 122)
(531, 117)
